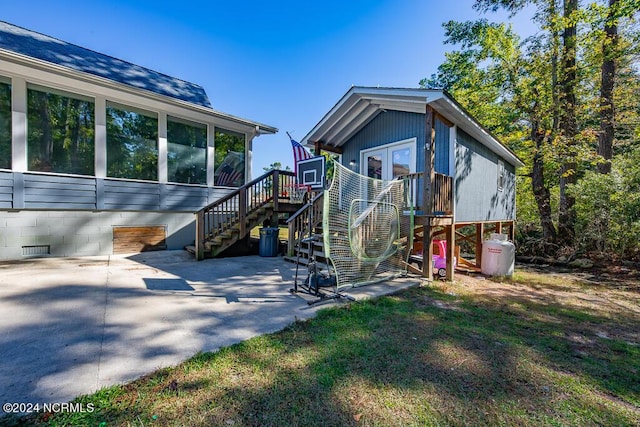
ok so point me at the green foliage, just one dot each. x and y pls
(608, 208)
(187, 152)
(514, 88)
(276, 166)
(330, 159)
(5, 125)
(132, 145)
(60, 133)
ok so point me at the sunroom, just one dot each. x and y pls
(93, 149)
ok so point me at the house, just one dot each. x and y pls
(100, 156)
(461, 177)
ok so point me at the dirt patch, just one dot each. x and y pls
(611, 295)
(625, 277)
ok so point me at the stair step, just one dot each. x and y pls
(229, 234)
(315, 252)
(210, 245)
(304, 261)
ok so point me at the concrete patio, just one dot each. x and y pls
(71, 326)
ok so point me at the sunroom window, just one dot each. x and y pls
(187, 151)
(132, 143)
(229, 161)
(60, 131)
(5, 123)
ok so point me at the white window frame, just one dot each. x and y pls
(387, 171)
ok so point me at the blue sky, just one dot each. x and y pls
(282, 63)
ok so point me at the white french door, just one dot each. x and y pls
(389, 161)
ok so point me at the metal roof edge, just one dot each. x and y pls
(516, 161)
(341, 101)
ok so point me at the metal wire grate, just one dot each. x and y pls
(36, 250)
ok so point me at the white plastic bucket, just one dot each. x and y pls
(498, 256)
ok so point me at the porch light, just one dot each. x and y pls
(352, 163)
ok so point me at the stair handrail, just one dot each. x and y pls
(233, 208)
(297, 223)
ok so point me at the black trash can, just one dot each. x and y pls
(269, 241)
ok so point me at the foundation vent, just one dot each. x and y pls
(36, 250)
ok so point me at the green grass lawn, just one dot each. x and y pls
(540, 349)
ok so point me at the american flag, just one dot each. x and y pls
(299, 153)
(228, 176)
(231, 172)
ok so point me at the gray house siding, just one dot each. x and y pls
(137, 196)
(477, 197)
(442, 149)
(73, 216)
(394, 126)
(58, 192)
(476, 167)
(181, 197)
(385, 128)
(6, 190)
(55, 192)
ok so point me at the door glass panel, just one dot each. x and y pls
(401, 160)
(374, 166)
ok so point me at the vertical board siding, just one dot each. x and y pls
(442, 148)
(476, 183)
(385, 128)
(394, 126)
(6, 190)
(59, 192)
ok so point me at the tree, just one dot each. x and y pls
(504, 83)
(568, 126)
(608, 78)
(538, 96)
(276, 166)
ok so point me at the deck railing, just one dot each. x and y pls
(233, 209)
(442, 197)
(299, 225)
(442, 204)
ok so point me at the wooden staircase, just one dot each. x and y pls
(306, 222)
(230, 219)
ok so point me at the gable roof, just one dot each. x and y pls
(361, 104)
(45, 48)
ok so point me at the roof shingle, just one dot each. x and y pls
(45, 48)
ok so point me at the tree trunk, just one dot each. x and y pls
(44, 162)
(568, 126)
(608, 76)
(540, 191)
(555, 46)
